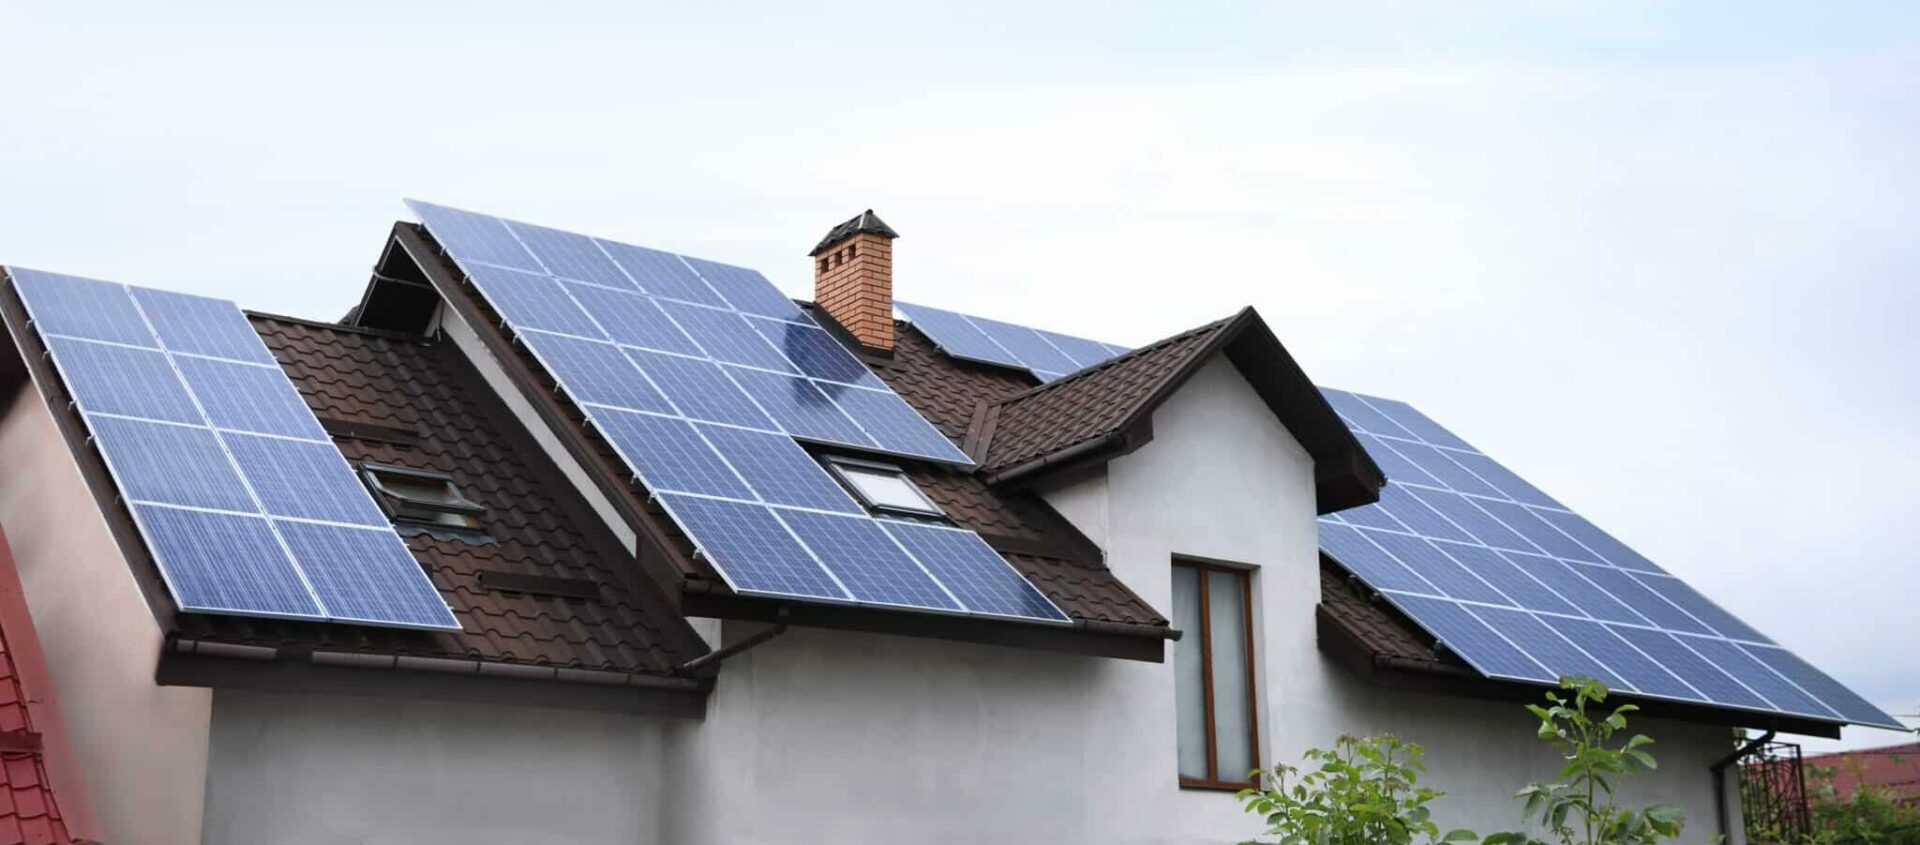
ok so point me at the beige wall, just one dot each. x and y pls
(141, 747)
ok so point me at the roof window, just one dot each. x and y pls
(882, 487)
(421, 496)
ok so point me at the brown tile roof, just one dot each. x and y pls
(1093, 403)
(1370, 622)
(1060, 560)
(536, 523)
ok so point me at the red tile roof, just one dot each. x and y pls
(29, 812)
(1894, 768)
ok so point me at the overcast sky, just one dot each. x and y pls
(1662, 261)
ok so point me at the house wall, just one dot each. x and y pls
(142, 748)
(297, 769)
(1222, 480)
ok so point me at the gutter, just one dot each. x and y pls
(1719, 771)
(713, 658)
(1071, 453)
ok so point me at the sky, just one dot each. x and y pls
(1659, 258)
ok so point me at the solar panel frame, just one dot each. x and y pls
(868, 562)
(752, 549)
(976, 575)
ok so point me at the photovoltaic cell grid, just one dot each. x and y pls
(582, 304)
(240, 495)
(701, 376)
(1524, 589)
(1048, 355)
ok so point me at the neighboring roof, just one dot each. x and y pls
(1894, 768)
(402, 401)
(865, 221)
(1105, 411)
(29, 811)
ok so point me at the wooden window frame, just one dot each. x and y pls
(1245, 577)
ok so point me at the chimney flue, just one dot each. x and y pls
(853, 278)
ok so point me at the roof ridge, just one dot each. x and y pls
(343, 328)
(1128, 355)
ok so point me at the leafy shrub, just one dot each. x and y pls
(1580, 808)
(1363, 792)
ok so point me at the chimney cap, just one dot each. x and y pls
(865, 221)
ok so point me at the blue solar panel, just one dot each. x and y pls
(778, 470)
(1682, 661)
(533, 301)
(1757, 677)
(751, 548)
(799, 407)
(977, 575)
(171, 464)
(1831, 692)
(661, 273)
(366, 575)
(1465, 635)
(595, 372)
(1084, 352)
(197, 325)
(77, 307)
(746, 290)
(251, 398)
(815, 352)
(1546, 647)
(473, 237)
(302, 479)
(1523, 589)
(631, 319)
(957, 336)
(699, 390)
(570, 256)
(169, 425)
(1482, 536)
(668, 454)
(894, 424)
(122, 380)
(220, 563)
(1626, 661)
(1034, 352)
(867, 561)
(726, 337)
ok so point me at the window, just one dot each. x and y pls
(421, 496)
(882, 487)
(1213, 666)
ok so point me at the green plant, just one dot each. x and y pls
(1869, 815)
(1363, 792)
(1581, 808)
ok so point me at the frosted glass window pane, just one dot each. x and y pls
(1189, 677)
(1232, 717)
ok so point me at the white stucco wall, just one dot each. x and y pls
(297, 769)
(1223, 480)
(142, 748)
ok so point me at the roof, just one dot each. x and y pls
(1105, 411)
(29, 811)
(865, 221)
(402, 401)
(1894, 768)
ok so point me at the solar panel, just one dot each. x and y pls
(976, 574)
(1048, 355)
(1522, 588)
(702, 377)
(224, 468)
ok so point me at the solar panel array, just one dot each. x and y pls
(1048, 355)
(244, 501)
(1524, 589)
(701, 375)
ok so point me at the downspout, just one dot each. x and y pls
(758, 637)
(1720, 782)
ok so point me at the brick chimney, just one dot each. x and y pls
(853, 278)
